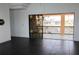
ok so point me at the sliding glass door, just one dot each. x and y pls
(69, 26)
(58, 26)
(52, 26)
(35, 26)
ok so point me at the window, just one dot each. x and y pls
(61, 24)
(69, 23)
(52, 20)
(52, 25)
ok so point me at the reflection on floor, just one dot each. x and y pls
(23, 46)
(57, 36)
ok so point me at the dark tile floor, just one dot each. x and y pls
(23, 46)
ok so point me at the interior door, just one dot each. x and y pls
(35, 26)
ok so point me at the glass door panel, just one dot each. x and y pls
(39, 20)
(69, 19)
(35, 26)
(51, 30)
(59, 26)
(69, 26)
(51, 26)
(68, 30)
(52, 20)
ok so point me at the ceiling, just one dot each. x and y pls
(19, 5)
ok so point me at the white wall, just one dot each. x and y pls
(19, 23)
(4, 29)
(22, 29)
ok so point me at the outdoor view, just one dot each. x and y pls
(52, 26)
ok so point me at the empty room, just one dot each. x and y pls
(39, 28)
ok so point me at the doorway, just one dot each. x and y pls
(52, 26)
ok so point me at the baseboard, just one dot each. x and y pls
(19, 37)
(5, 42)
